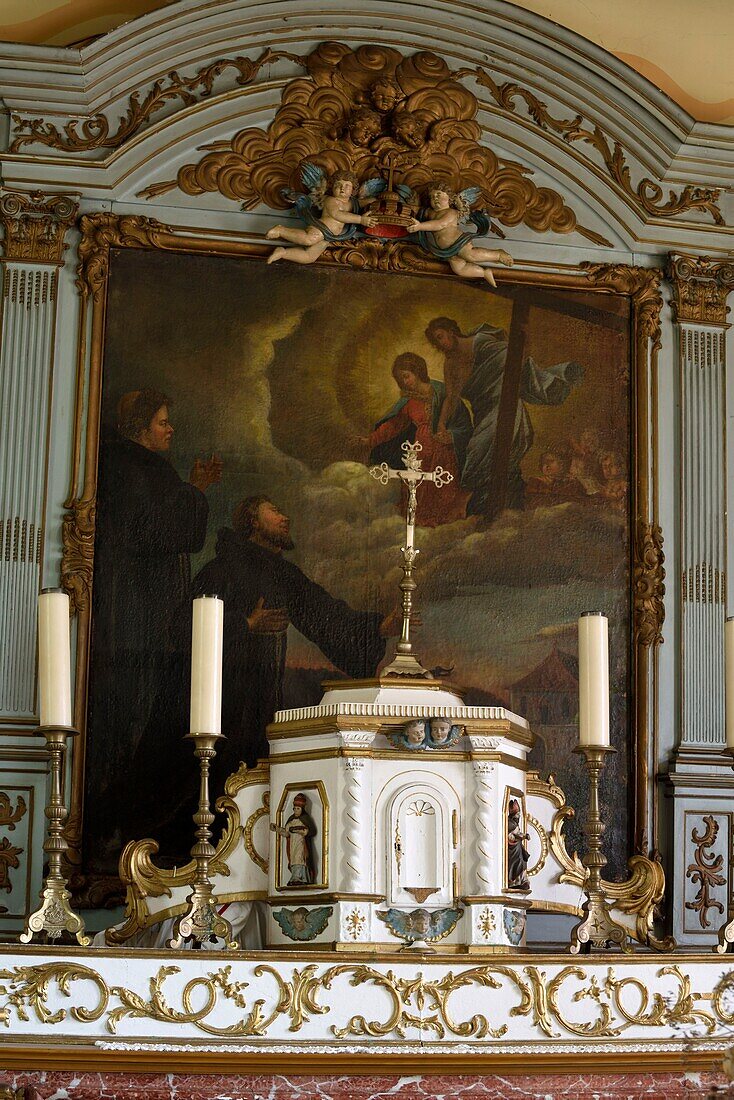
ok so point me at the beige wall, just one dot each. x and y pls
(682, 46)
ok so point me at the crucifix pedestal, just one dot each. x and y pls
(405, 662)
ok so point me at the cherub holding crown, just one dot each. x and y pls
(335, 200)
(439, 232)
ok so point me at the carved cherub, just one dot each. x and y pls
(336, 202)
(439, 232)
(363, 126)
(386, 93)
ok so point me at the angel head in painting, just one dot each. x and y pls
(439, 232)
(330, 209)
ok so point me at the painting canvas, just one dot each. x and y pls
(282, 385)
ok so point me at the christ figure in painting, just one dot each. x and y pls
(474, 372)
(415, 417)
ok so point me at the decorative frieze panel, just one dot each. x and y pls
(16, 844)
(707, 843)
(174, 999)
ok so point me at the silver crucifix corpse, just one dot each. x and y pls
(405, 662)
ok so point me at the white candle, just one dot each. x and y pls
(54, 658)
(206, 665)
(729, 680)
(593, 679)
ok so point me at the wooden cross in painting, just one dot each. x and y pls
(523, 299)
(405, 662)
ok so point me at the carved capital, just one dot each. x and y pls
(649, 589)
(700, 288)
(35, 225)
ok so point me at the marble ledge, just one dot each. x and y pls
(119, 1086)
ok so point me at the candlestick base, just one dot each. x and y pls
(200, 923)
(55, 915)
(405, 664)
(596, 927)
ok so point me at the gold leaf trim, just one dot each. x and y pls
(247, 828)
(429, 130)
(143, 879)
(95, 132)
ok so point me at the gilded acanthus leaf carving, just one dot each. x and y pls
(358, 109)
(648, 578)
(642, 284)
(9, 816)
(233, 1001)
(96, 131)
(647, 195)
(705, 870)
(101, 232)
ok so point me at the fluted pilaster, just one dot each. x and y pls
(34, 240)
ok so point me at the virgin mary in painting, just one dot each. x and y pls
(415, 417)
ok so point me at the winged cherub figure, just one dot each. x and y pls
(330, 210)
(439, 232)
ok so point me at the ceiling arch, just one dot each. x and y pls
(687, 58)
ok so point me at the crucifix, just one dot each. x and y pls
(405, 662)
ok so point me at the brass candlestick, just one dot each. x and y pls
(55, 915)
(200, 921)
(596, 926)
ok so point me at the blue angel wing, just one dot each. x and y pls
(303, 203)
(371, 188)
(312, 177)
(484, 224)
(405, 192)
(470, 195)
(318, 919)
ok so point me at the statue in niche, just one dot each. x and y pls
(297, 832)
(331, 211)
(517, 854)
(439, 232)
(303, 924)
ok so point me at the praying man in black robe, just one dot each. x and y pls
(148, 521)
(263, 592)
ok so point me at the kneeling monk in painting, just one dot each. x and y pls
(263, 592)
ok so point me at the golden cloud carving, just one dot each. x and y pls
(358, 109)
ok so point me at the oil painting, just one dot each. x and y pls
(242, 406)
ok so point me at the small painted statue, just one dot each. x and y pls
(297, 831)
(331, 211)
(517, 854)
(439, 232)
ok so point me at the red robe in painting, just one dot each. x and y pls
(435, 505)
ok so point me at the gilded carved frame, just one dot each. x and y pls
(102, 232)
